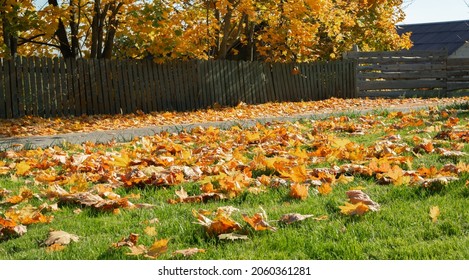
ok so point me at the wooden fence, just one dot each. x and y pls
(58, 87)
(457, 74)
(409, 73)
(397, 73)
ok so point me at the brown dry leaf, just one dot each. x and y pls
(232, 236)
(354, 209)
(293, 218)
(137, 250)
(257, 222)
(188, 252)
(60, 237)
(356, 196)
(182, 194)
(129, 241)
(434, 213)
(299, 191)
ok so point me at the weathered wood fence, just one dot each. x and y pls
(58, 87)
(409, 73)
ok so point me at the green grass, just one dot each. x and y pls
(402, 229)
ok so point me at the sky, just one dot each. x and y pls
(423, 11)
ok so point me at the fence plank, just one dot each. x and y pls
(28, 99)
(104, 86)
(8, 90)
(54, 90)
(101, 87)
(20, 79)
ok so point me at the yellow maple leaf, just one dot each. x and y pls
(150, 231)
(354, 209)
(434, 213)
(22, 168)
(122, 161)
(252, 137)
(345, 179)
(157, 248)
(325, 189)
(339, 143)
(297, 174)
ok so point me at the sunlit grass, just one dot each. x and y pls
(402, 229)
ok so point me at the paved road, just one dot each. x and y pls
(125, 135)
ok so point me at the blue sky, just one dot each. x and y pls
(421, 11)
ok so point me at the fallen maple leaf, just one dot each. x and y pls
(358, 196)
(129, 241)
(299, 191)
(188, 252)
(150, 231)
(232, 236)
(60, 237)
(325, 189)
(137, 250)
(9, 228)
(157, 248)
(257, 222)
(222, 223)
(22, 168)
(354, 209)
(293, 218)
(434, 213)
(297, 174)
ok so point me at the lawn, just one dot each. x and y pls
(382, 185)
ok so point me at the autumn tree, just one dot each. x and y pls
(271, 30)
(15, 17)
(74, 28)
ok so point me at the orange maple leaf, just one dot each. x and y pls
(325, 189)
(297, 174)
(299, 191)
(257, 222)
(354, 209)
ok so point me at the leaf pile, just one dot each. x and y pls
(33, 126)
(302, 160)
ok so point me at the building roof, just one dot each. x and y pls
(437, 35)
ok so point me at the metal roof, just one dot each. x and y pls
(437, 35)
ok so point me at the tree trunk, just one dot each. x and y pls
(95, 29)
(9, 37)
(61, 34)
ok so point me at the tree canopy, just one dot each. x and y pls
(267, 30)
